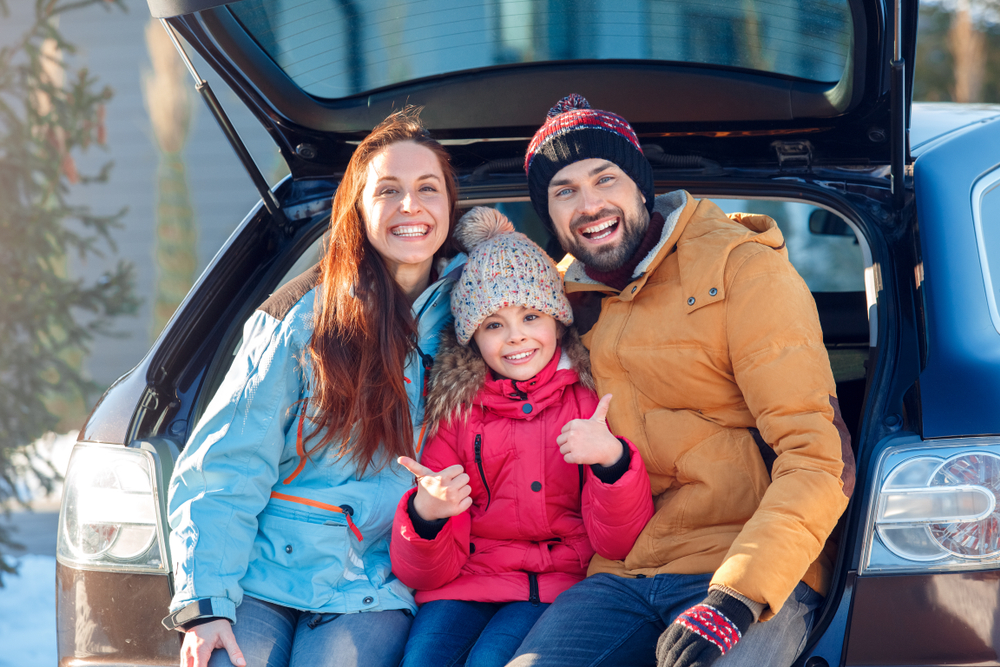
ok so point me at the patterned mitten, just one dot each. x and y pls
(703, 633)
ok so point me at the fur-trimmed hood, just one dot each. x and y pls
(460, 373)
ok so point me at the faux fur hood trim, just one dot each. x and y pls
(459, 373)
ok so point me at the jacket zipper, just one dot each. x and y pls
(533, 597)
(482, 472)
(345, 510)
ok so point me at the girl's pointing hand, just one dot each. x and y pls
(439, 494)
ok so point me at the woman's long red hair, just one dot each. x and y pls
(364, 329)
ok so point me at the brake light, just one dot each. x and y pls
(935, 509)
(975, 535)
(111, 517)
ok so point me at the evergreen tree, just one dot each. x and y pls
(49, 111)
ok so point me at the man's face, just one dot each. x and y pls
(598, 213)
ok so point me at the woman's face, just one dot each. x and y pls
(406, 206)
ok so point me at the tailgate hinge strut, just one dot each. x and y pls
(898, 97)
(205, 90)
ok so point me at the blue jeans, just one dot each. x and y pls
(451, 633)
(274, 636)
(608, 620)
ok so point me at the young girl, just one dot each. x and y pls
(522, 480)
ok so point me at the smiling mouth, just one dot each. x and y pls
(519, 356)
(411, 231)
(601, 230)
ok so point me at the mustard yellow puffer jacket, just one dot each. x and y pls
(718, 335)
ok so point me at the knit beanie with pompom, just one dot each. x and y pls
(573, 132)
(505, 268)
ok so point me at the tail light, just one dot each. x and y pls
(111, 517)
(936, 508)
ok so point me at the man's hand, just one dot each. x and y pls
(703, 633)
(439, 494)
(201, 640)
(588, 441)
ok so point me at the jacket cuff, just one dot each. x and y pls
(756, 608)
(613, 473)
(199, 609)
(428, 530)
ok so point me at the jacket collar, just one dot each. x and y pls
(449, 275)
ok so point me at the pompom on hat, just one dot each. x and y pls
(504, 268)
(573, 132)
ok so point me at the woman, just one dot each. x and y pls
(282, 502)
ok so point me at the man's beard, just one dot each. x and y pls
(607, 258)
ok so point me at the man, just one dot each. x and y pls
(710, 343)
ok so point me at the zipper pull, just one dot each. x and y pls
(428, 363)
(348, 511)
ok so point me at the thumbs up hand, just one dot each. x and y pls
(588, 441)
(439, 494)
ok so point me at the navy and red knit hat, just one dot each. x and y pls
(574, 132)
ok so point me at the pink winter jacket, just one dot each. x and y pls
(525, 536)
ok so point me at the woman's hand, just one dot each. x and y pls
(439, 494)
(588, 441)
(201, 640)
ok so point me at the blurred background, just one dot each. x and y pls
(159, 138)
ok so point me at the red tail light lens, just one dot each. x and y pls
(970, 539)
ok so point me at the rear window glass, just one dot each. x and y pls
(338, 48)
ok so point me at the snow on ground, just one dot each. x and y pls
(28, 614)
(28, 600)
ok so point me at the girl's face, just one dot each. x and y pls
(406, 206)
(517, 342)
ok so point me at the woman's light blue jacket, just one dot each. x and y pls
(247, 516)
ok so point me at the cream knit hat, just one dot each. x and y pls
(505, 268)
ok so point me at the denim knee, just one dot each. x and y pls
(779, 641)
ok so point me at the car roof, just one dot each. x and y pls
(932, 121)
